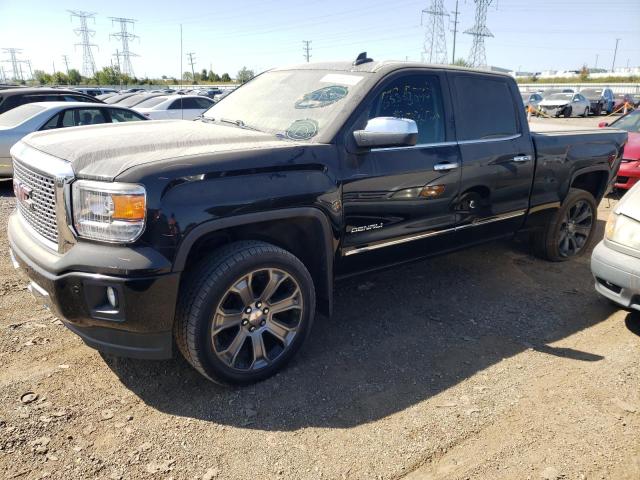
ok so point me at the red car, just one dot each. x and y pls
(629, 172)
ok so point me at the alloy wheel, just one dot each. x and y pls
(576, 228)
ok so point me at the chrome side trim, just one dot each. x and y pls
(399, 241)
(544, 206)
(447, 144)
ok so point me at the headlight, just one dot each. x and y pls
(623, 230)
(110, 212)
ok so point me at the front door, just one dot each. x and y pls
(403, 196)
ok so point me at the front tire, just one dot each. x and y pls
(569, 232)
(567, 112)
(244, 312)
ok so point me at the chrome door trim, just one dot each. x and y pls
(447, 144)
(489, 140)
(399, 241)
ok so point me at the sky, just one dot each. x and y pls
(529, 35)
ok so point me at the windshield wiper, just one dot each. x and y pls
(239, 123)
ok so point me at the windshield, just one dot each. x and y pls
(592, 93)
(19, 114)
(151, 102)
(294, 104)
(133, 100)
(560, 96)
(630, 122)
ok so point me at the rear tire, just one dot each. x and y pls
(586, 112)
(569, 232)
(214, 330)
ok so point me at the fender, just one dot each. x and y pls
(595, 168)
(324, 284)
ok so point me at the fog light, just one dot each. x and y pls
(112, 296)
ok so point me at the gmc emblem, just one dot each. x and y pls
(23, 193)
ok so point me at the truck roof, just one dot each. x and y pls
(383, 66)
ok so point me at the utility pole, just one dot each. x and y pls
(65, 59)
(306, 48)
(434, 48)
(455, 32)
(596, 66)
(478, 55)
(4, 77)
(192, 61)
(30, 71)
(181, 71)
(124, 36)
(615, 53)
(85, 34)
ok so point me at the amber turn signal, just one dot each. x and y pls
(128, 207)
(432, 191)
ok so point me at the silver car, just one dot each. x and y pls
(615, 262)
(31, 117)
(565, 104)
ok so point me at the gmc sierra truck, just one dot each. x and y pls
(225, 235)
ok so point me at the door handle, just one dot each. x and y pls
(444, 167)
(522, 158)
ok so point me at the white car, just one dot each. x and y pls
(615, 262)
(31, 117)
(186, 107)
(565, 104)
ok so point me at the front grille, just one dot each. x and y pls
(622, 179)
(39, 210)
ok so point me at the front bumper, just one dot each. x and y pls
(628, 175)
(74, 286)
(617, 275)
(6, 167)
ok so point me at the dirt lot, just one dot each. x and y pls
(484, 364)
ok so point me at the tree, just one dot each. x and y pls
(213, 77)
(461, 62)
(204, 76)
(108, 76)
(188, 76)
(74, 77)
(42, 77)
(225, 78)
(584, 73)
(244, 75)
(60, 78)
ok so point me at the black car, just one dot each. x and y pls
(15, 97)
(224, 236)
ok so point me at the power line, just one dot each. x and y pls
(124, 36)
(306, 47)
(85, 34)
(434, 49)
(478, 56)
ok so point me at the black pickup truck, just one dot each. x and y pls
(224, 235)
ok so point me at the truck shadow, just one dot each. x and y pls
(397, 338)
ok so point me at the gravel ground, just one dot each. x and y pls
(486, 363)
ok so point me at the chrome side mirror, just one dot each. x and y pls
(387, 132)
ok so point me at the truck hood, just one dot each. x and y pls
(553, 103)
(102, 152)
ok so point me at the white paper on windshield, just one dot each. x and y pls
(341, 79)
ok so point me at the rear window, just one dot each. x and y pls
(151, 102)
(485, 108)
(19, 114)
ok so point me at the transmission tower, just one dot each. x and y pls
(434, 49)
(192, 62)
(478, 56)
(2, 74)
(306, 48)
(124, 36)
(85, 34)
(16, 67)
(66, 63)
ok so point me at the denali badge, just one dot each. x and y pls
(366, 228)
(23, 193)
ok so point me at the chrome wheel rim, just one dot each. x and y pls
(575, 229)
(257, 319)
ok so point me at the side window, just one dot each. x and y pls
(190, 104)
(417, 97)
(118, 115)
(485, 108)
(69, 118)
(52, 123)
(177, 104)
(77, 98)
(90, 116)
(203, 103)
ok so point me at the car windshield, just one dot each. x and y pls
(19, 114)
(133, 100)
(592, 93)
(293, 104)
(560, 96)
(151, 102)
(630, 122)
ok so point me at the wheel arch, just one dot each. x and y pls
(305, 232)
(593, 180)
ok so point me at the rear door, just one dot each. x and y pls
(497, 154)
(402, 197)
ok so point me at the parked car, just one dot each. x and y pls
(138, 98)
(186, 107)
(120, 97)
(104, 96)
(209, 92)
(615, 262)
(531, 100)
(565, 104)
(226, 233)
(600, 99)
(40, 116)
(95, 92)
(629, 172)
(551, 91)
(14, 97)
(621, 98)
